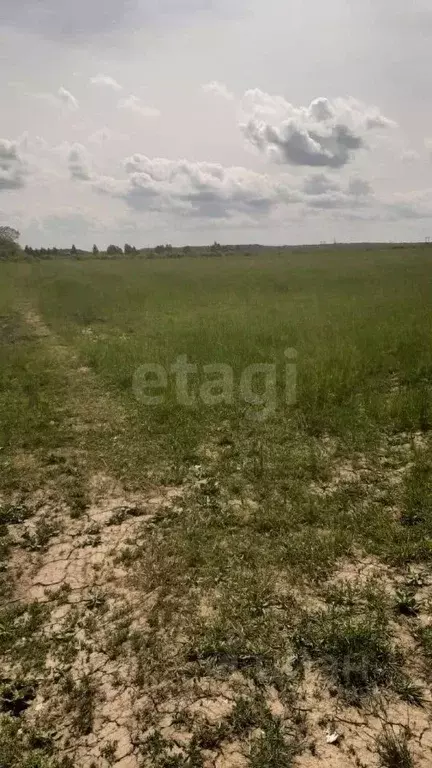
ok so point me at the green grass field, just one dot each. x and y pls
(196, 586)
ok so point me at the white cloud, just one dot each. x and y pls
(219, 89)
(67, 98)
(134, 104)
(257, 103)
(12, 167)
(324, 134)
(201, 191)
(106, 81)
(206, 190)
(63, 98)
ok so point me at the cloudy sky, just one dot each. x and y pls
(186, 121)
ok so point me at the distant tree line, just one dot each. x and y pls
(11, 250)
(41, 252)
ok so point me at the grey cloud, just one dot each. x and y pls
(324, 134)
(206, 190)
(319, 184)
(358, 187)
(324, 193)
(297, 145)
(65, 19)
(329, 201)
(375, 120)
(398, 211)
(80, 20)
(12, 167)
(212, 191)
(78, 163)
(410, 156)
(410, 205)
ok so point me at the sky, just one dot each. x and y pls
(190, 121)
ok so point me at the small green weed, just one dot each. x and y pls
(393, 749)
(81, 701)
(406, 603)
(274, 748)
(24, 747)
(13, 514)
(355, 651)
(16, 696)
(39, 539)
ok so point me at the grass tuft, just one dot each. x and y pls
(274, 748)
(393, 749)
(354, 651)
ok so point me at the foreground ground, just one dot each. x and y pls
(184, 587)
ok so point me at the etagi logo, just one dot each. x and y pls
(215, 384)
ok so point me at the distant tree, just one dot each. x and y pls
(128, 249)
(74, 251)
(9, 233)
(114, 250)
(9, 248)
(187, 250)
(95, 250)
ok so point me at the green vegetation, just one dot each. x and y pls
(361, 326)
(354, 651)
(394, 751)
(222, 554)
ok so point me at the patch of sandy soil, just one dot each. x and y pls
(80, 562)
(387, 468)
(355, 731)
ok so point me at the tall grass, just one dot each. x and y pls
(361, 323)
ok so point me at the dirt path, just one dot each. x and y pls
(69, 564)
(91, 404)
